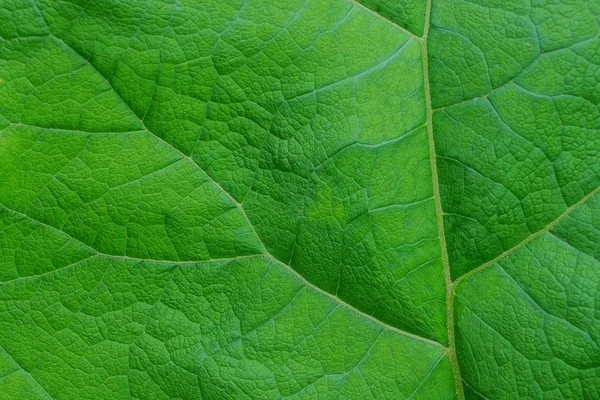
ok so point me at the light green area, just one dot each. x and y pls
(409, 14)
(258, 199)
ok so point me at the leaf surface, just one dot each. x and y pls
(299, 199)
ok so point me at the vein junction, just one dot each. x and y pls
(265, 253)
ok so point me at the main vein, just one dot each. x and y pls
(439, 211)
(450, 286)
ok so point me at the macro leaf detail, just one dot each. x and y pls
(299, 199)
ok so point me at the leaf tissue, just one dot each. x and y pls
(299, 199)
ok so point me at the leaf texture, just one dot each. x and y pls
(299, 199)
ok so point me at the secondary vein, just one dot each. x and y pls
(265, 253)
(529, 238)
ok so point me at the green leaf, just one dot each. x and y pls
(299, 199)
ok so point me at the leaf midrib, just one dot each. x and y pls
(450, 350)
(450, 284)
(439, 212)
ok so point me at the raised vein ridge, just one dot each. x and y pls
(439, 211)
(239, 206)
(529, 238)
(26, 372)
(379, 16)
(265, 255)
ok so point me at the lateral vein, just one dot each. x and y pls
(379, 16)
(529, 238)
(265, 253)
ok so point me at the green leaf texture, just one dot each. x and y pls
(299, 199)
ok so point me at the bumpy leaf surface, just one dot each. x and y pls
(299, 199)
